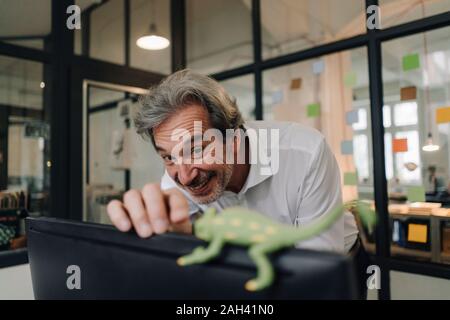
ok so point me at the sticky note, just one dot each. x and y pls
(350, 79)
(411, 62)
(296, 84)
(399, 145)
(350, 178)
(408, 93)
(416, 194)
(318, 66)
(313, 110)
(347, 147)
(417, 232)
(443, 115)
(352, 117)
(277, 97)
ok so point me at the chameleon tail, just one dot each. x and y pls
(367, 216)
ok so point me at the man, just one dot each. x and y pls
(295, 182)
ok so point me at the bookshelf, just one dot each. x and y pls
(435, 254)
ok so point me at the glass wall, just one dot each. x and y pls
(243, 90)
(291, 25)
(24, 148)
(329, 93)
(102, 33)
(107, 32)
(219, 34)
(26, 23)
(416, 72)
(395, 12)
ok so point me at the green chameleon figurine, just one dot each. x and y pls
(244, 227)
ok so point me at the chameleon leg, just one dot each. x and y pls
(264, 269)
(200, 254)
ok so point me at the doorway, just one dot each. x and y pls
(115, 157)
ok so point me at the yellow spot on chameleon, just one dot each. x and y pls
(230, 235)
(271, 230)
(250, 285)
(236, 222)
(254, 226)
(180, 261)
(258, 238)
(218, 221)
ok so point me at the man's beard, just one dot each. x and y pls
(222, 180)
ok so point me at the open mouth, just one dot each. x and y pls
(201, 187)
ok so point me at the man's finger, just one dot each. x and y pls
(156, 207)
(183, 227)
(135, 207)
(178, 206)
(118, 215)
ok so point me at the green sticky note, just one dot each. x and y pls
(416, 194)
(350, 178)
(313, 110)
(350, 79)
(411, 62)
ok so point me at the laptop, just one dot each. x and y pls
(78, 260)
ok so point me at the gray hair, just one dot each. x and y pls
(181, 89)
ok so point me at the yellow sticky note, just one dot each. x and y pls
(443, 115)
(417, 232)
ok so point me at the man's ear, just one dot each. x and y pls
(239, 150)
(237, 142)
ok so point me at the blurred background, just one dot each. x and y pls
(381, 97)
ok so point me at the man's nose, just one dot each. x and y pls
(186, 174)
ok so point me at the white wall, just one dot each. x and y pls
(417, 287)
(15, 283)
(25, 156)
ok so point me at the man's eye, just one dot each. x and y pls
(168, 159)
(197, 151)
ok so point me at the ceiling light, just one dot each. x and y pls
(152, 41)
(430, 146)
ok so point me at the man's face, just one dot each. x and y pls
(205, 180)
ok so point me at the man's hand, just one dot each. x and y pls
(151, 210)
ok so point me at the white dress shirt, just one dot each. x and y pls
(305, 185)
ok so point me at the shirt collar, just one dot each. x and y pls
(258, 173)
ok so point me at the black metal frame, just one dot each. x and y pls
(68, 71)
(4, 116)
(383, 238)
